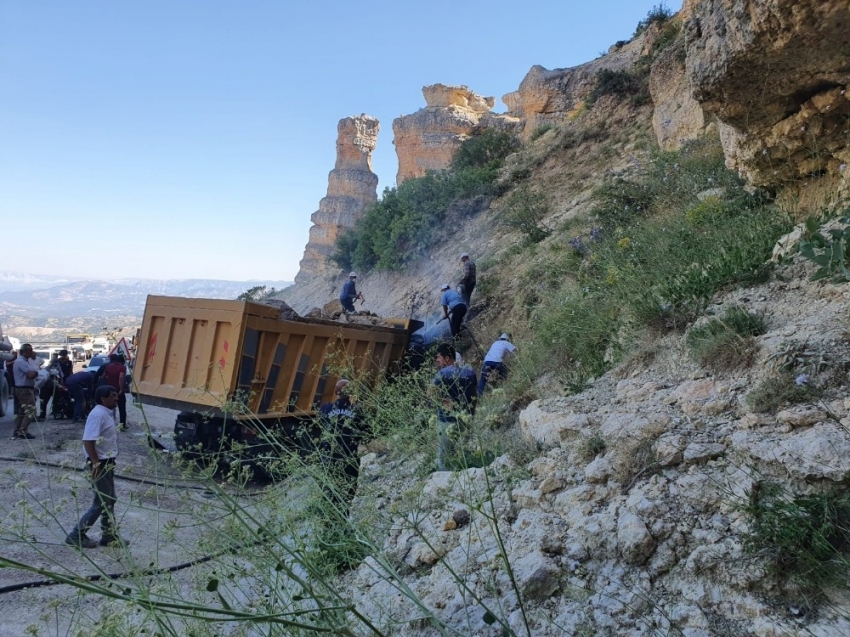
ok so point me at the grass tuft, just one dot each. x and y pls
(727, 342)
(803, 537)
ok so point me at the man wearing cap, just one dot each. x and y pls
(494, 361)
(349, 293)
(467, 281)
(454, 308)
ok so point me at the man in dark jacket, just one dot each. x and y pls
(349, 294)
(342, 432)
(78, 384)
(457, 390)
(65, 364)
(467, 280)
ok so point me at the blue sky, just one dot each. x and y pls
(194, 137)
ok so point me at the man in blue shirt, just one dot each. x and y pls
(454, 308)
(458, 393)
(349, 293)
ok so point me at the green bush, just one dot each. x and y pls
(780, 389)
(832, 254)
(803, 537)
(657, 15)
(728, 341)
(540, 131)
(673, 181)
(525, 211)
(406, 220)
(653, 264)
(484, 148)
(625, 83)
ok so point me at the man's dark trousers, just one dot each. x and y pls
(103, 505)
(456, 318)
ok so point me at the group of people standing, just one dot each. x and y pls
(31, 385)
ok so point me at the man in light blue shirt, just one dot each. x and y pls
(454, 308)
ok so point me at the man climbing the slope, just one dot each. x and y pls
(456, 387)
(349, 294)
(494, 367)
(454, 308)
(467, 281)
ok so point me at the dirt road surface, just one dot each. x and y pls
(43, 493)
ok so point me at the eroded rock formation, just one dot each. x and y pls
(549, 96)
(352, 188)
(775, 73)
(427, 139)
(677, 116)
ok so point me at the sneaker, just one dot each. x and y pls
(81, 541)
(24, 435)
(113, 540)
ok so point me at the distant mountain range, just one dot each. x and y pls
(48, 301)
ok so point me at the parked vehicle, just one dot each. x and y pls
(100, 345)
(77, 353)
(196, 355)
(82, 340)
(96, 363)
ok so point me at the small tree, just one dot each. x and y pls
(257, 293)
(525, 211)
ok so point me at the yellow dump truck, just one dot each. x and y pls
(202, 356)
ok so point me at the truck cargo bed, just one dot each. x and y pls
(213, 355)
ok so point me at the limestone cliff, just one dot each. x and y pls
(775, 74)
(549, 96)
(677, 116)
(352, 188)
(427, 139)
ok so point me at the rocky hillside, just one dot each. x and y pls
(672, 447)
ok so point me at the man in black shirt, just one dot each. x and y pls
(342, 432)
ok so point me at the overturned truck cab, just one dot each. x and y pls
(236, 368)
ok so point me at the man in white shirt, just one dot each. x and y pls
(494, 361)
(25, 371)
(100, 442)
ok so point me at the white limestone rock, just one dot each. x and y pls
(819, 452)
(633, 538)
(801, 416)
(548, 422)
(669, 449)
(599, 470)
(698, 452)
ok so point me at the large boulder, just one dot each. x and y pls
(818, 452)
(775, 73)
